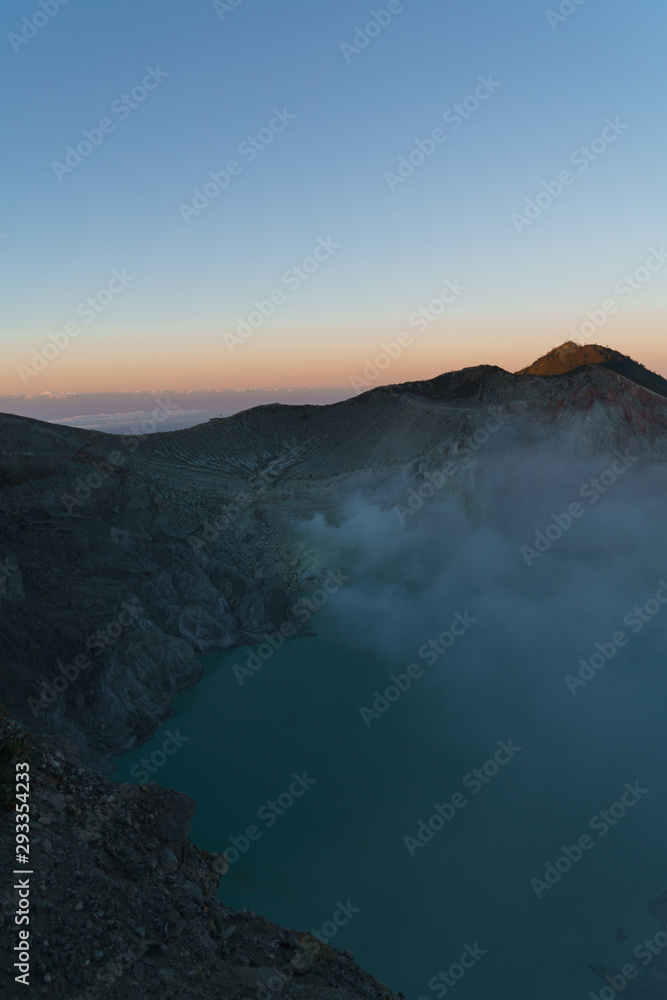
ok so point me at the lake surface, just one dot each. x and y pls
(411, 910)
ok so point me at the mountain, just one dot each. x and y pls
(123, 559)
(570, 356)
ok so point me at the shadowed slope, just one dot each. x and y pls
(569, 356)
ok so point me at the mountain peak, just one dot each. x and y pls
(569, 356)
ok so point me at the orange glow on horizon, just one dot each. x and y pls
(279, 359)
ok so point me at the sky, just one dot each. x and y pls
(338, 212)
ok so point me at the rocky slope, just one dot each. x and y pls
(123, 907)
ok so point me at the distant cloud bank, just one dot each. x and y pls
(133, 412)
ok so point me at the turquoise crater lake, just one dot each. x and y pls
(410, 831)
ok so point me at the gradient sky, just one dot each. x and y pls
(323, 176)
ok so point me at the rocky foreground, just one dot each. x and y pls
(123, 906)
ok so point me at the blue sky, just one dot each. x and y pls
(324, 176)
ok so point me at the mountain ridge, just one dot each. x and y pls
(193, 525)
(570, 356)
(191, 533)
